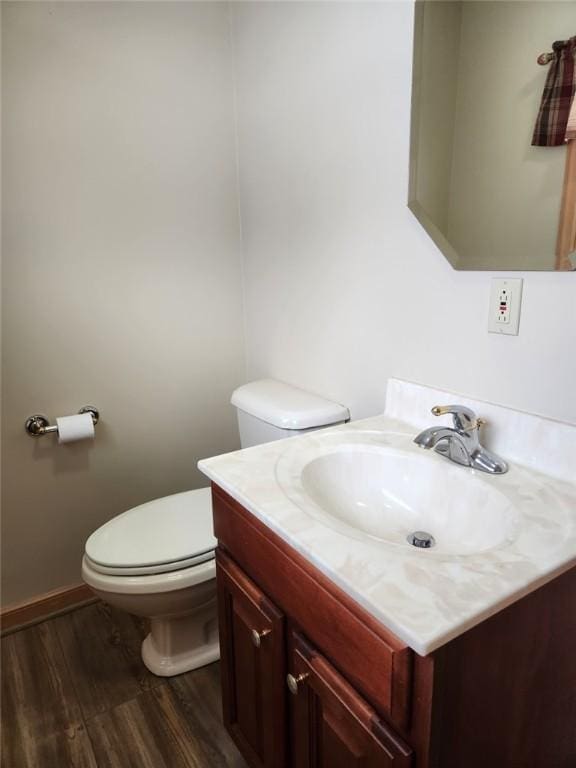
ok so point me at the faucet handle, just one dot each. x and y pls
(464, 418)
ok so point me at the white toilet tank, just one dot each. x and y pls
(271, 410)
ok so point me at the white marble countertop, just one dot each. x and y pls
(425, 598)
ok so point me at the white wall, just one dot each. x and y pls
(343, 287)
(122, 265)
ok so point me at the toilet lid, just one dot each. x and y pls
(174, 529)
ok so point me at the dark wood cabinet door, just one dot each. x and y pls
(252, 648)
(332, 726)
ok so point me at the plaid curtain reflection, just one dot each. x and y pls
(550, 128)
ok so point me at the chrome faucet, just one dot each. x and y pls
(461, 443)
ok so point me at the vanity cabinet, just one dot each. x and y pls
(331, 725)
(312, 680)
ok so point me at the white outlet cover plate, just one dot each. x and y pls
(513, 291)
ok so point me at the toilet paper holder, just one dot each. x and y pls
(38, 425)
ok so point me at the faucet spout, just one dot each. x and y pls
(447, 442)
(430, 437)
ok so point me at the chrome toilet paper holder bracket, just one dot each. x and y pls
(38, 425)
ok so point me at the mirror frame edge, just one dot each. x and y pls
(418, 211)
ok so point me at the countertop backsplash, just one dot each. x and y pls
(546, 445)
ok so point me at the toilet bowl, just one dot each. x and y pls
(157, 560)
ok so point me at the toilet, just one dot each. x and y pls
(157, 560)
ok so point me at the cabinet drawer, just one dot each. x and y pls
(332, 726)
(376, 662)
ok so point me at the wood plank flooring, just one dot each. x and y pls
(75, 694)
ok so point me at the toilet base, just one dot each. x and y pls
(168, 666)
(178, 644)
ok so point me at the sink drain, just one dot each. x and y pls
(421, 539)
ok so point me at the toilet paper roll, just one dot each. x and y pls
(71, 428)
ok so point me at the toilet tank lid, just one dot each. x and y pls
(287, 407)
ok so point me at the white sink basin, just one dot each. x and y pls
(387, 494)
(384, 488)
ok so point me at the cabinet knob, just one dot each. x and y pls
(258, 635)
(292, 682)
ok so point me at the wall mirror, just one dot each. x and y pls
(488, 197)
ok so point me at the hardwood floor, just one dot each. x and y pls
(75, 694)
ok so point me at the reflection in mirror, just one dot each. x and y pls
(484, 193)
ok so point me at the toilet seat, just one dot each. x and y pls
(152, 584)
(173, 533)
(151, 570)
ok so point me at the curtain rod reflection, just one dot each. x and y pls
(545, 58)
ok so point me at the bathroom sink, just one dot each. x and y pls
(383, 488)
(390, 494)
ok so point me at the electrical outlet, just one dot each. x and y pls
(505, 303)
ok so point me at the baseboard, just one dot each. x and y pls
(42, 607)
